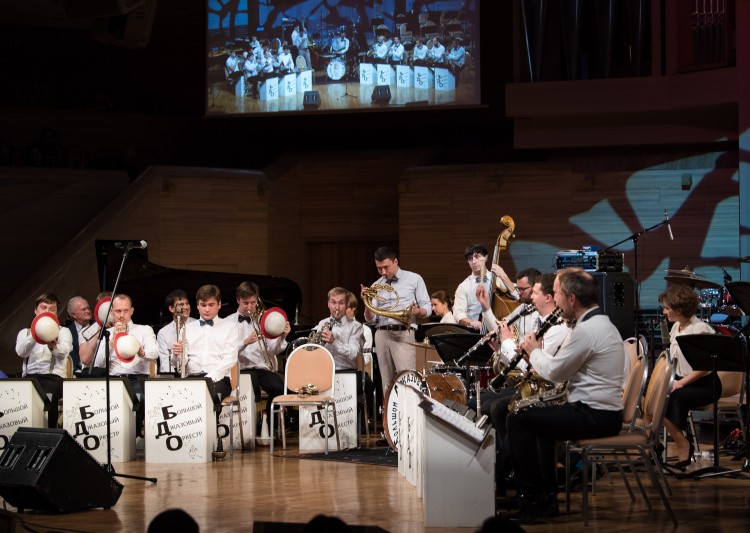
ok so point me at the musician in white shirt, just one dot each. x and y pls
(46, 362)
(178, 304)
(380, 50)
(257, 354)
(136, 369)
(591, 362)
(436, 55)
(286, 63)
(396, 53)
(419, 53)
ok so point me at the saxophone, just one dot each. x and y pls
(316, 337)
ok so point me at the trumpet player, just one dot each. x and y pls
(179, 307)
(257, 354)
(138, 369)
(395, 340)
(46, 362)
(211, 343)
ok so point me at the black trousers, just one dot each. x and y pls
(532, 435)
(268, 381)
(51, 384)
(692, 396)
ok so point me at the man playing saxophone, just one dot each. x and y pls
(257, 354)
(591, 361)
(394, 338)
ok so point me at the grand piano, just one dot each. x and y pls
(148, 285)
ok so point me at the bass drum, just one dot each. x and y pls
(336, 69)
(390, 403)
(446, 387)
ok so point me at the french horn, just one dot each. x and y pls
(370, 294)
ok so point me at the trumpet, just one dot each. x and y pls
(371, 293)
(182, 340)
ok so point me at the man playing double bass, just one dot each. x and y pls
(394, 339)
(467, 310)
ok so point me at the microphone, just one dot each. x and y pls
(727, 277)
(132, 245)
(669, 226)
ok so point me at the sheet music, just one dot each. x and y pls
(450, 416)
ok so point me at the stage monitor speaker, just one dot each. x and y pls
(47, 470)
(381, 94)
(311, 100)
(617, 300)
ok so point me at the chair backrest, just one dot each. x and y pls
(633, 350)
(68, 367)
(234, 377)
(657, 396)
(731, 383)
(633, 391)
(310, 365)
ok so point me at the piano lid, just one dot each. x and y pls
(148, 285)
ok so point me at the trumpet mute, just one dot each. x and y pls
(126, 347)
(45, 328)
(102, 309)
(273, 322)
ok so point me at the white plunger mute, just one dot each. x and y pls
(45, 328)
(126, 348)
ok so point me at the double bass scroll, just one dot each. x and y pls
(500, 301)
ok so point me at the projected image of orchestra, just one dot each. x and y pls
(339, 55)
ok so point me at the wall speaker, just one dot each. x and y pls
(311, 100)
(46, 469)
(381, 94)
(617, 300)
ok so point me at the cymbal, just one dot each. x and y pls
(745, 259)
(685, 272)
(693, 282)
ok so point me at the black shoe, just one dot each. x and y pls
(682, 465)
(535, 509)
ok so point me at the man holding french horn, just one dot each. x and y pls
(393, 303)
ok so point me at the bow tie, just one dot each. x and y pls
(336, 322)
(481, 280)
(207, 322)
(243, 318)
(391, 281)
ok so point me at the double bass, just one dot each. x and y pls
(500, 301)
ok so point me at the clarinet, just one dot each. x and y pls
(527, 309)
(496, 383)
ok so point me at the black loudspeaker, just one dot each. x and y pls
(381, 94)
(46, 469)
(311, 100)
(617, 300)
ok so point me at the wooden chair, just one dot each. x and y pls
(313, 366)
(233, 402)
(634, 448)
(730, 403)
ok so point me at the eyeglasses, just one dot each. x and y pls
(523, 289)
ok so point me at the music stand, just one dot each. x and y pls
(451, 346)
(714, 353)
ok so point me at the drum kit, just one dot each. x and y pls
(714, 298)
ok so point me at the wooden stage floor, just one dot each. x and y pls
(341, 95)
(252, 486)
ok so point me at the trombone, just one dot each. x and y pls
(271, 362)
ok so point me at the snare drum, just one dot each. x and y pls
(390, 403)
(723, 329)
(727, 304)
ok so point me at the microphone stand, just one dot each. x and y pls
(346, 82)
(634, 238)
(104, 334)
